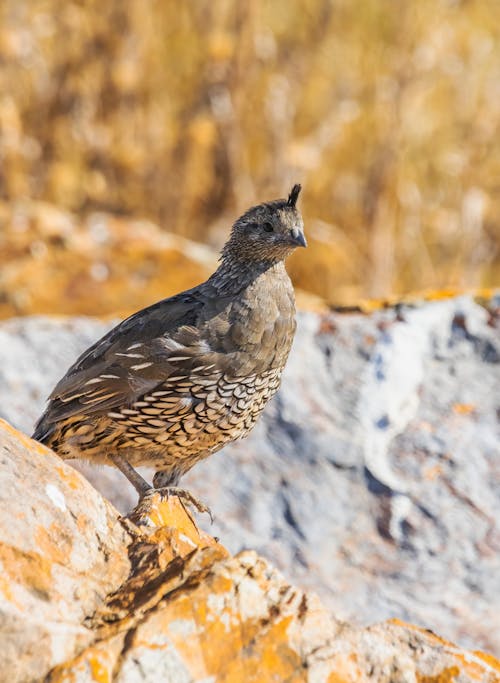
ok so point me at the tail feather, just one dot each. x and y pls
(43, 431)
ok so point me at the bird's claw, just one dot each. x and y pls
(183, 494)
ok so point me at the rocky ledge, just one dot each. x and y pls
(89, 596)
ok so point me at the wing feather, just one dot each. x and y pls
(128, 361)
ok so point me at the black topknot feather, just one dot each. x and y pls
(293, 196)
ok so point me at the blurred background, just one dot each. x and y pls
(130, 131)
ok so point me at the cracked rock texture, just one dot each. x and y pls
(87, 597)
(373, 477)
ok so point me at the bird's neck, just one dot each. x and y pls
(237, 274)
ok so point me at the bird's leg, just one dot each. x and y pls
(164, 484)
(139, 483)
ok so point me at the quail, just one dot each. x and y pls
(178, 380)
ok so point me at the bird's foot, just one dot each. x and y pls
(184, 496)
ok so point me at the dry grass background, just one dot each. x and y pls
(187, 112)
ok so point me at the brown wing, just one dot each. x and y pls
(130, 360)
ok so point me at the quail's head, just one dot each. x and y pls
(269, 231)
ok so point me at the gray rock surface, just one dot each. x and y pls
(374, 476)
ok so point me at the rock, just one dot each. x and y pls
(373, 475)
(89, 598)
(62, 550)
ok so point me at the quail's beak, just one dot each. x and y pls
(298, 237)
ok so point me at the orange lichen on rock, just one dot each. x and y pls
(463, 408)
(448, 675)
(171, 514)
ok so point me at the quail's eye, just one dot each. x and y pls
(268, 227)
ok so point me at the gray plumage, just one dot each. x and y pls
(178, 380)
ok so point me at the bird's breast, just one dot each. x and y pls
(256, 329)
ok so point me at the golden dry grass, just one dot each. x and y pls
(186, 113)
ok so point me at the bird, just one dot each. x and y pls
(178, 380)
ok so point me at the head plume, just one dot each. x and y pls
(294, 195)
